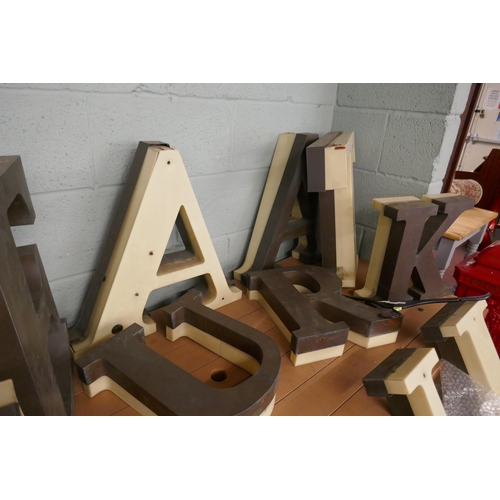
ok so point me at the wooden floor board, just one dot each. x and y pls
(126, 412)
(105, 403)
(279, 339)
(259, 320)
(191, 356)
(240, 308)
(359, 404)
(292, 377)
(160, 344)
(327, 390)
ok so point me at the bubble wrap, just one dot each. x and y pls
(463, 396)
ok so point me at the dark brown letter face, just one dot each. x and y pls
(287, 211)
(35, 351)
(330, 173)
(299, 202)
(318, 322)
(409, 269)
(151, 383)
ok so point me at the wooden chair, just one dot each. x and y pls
(488, 176)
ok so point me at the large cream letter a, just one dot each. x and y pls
(137, 265)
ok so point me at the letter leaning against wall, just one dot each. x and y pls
(34, 344)
(157, 196)
(287, 211)
(330, 173)
(402, 264)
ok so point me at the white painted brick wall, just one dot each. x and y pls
(421, 97)
(76, 142)
(404, 136)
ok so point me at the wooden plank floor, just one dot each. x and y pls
(330, 387)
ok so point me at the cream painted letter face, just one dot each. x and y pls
(137, 266)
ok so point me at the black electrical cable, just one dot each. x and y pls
(389, 304)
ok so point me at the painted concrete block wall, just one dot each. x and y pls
(76, 142)
(404, 136)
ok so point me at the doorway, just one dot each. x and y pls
(478, 135)
(484, 131)
(479, 131)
